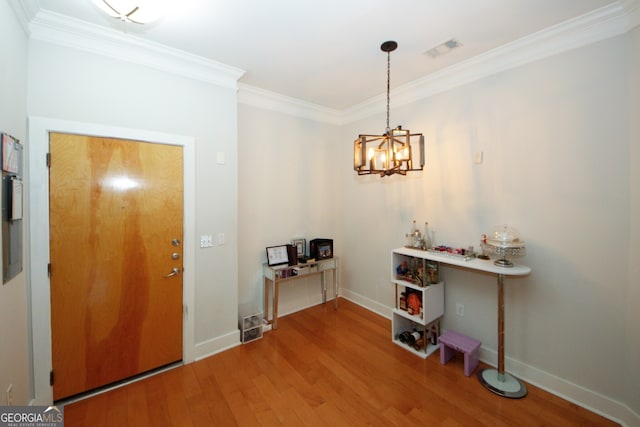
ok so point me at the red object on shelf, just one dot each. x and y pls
(413, 303)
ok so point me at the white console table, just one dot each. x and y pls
(274, 275)
(496, 380)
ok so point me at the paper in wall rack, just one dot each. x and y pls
(12, 206)
(11, 154)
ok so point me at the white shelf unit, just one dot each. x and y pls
(432, 303)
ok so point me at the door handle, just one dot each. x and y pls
(174, 272)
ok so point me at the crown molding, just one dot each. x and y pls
(609, 21)
(62, 30)
(633, 10)
(267, 100)
(25, 11)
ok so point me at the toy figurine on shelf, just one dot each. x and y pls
(483, 242)
(412, 272)
(402, 269)
(432, 272)
(417, 272)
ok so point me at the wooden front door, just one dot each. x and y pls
(116, 225)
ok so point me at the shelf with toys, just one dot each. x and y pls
(419, 303)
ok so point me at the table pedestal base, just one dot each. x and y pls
(497, 380)
(505, 385)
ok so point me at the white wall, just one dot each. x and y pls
(286, 190)
(83, 87)
(632, 350)
(556, 141)
(14, 332)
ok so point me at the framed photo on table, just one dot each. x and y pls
(277, 255)
(300, 245)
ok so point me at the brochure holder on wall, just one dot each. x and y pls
(12, 207)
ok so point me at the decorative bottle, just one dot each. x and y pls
(419, 344)
(414, 337)
(411, 236)
(426, 237)
(404, 336)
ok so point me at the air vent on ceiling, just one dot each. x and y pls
(443, 48)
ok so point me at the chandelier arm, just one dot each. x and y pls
(135, 9)
(110, 7)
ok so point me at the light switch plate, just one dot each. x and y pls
(206, 241)
(479, 158)
(220, 157)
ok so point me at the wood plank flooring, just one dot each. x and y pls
(322, 367)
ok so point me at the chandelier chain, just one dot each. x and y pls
(388, 88)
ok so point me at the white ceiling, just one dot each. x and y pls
(328, 52)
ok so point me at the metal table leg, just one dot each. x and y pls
(497, 380)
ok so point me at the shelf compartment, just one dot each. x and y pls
(432, 298)
(401, 324)
(419, 272)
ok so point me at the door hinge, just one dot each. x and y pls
(49, 270)
(51, 378)
(48, 160)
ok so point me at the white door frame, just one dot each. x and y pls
(37, 208)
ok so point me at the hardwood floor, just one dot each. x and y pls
(322, 367)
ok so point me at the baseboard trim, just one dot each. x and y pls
(575, 393)
(217, 345)
(367, 303)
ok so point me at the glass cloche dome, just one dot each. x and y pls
(504, 241)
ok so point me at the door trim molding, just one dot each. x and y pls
(38, 236)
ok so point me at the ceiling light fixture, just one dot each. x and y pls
(135, 11)
(395, 151)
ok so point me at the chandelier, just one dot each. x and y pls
(135, 11)
(396, 150)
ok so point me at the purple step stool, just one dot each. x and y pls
(452, 341)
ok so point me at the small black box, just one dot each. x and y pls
(321, 248)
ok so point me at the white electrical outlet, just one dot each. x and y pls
(460, 310)
(10, 395)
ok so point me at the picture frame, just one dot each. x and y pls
(277, 255)
(300, 245)
(321, 248)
